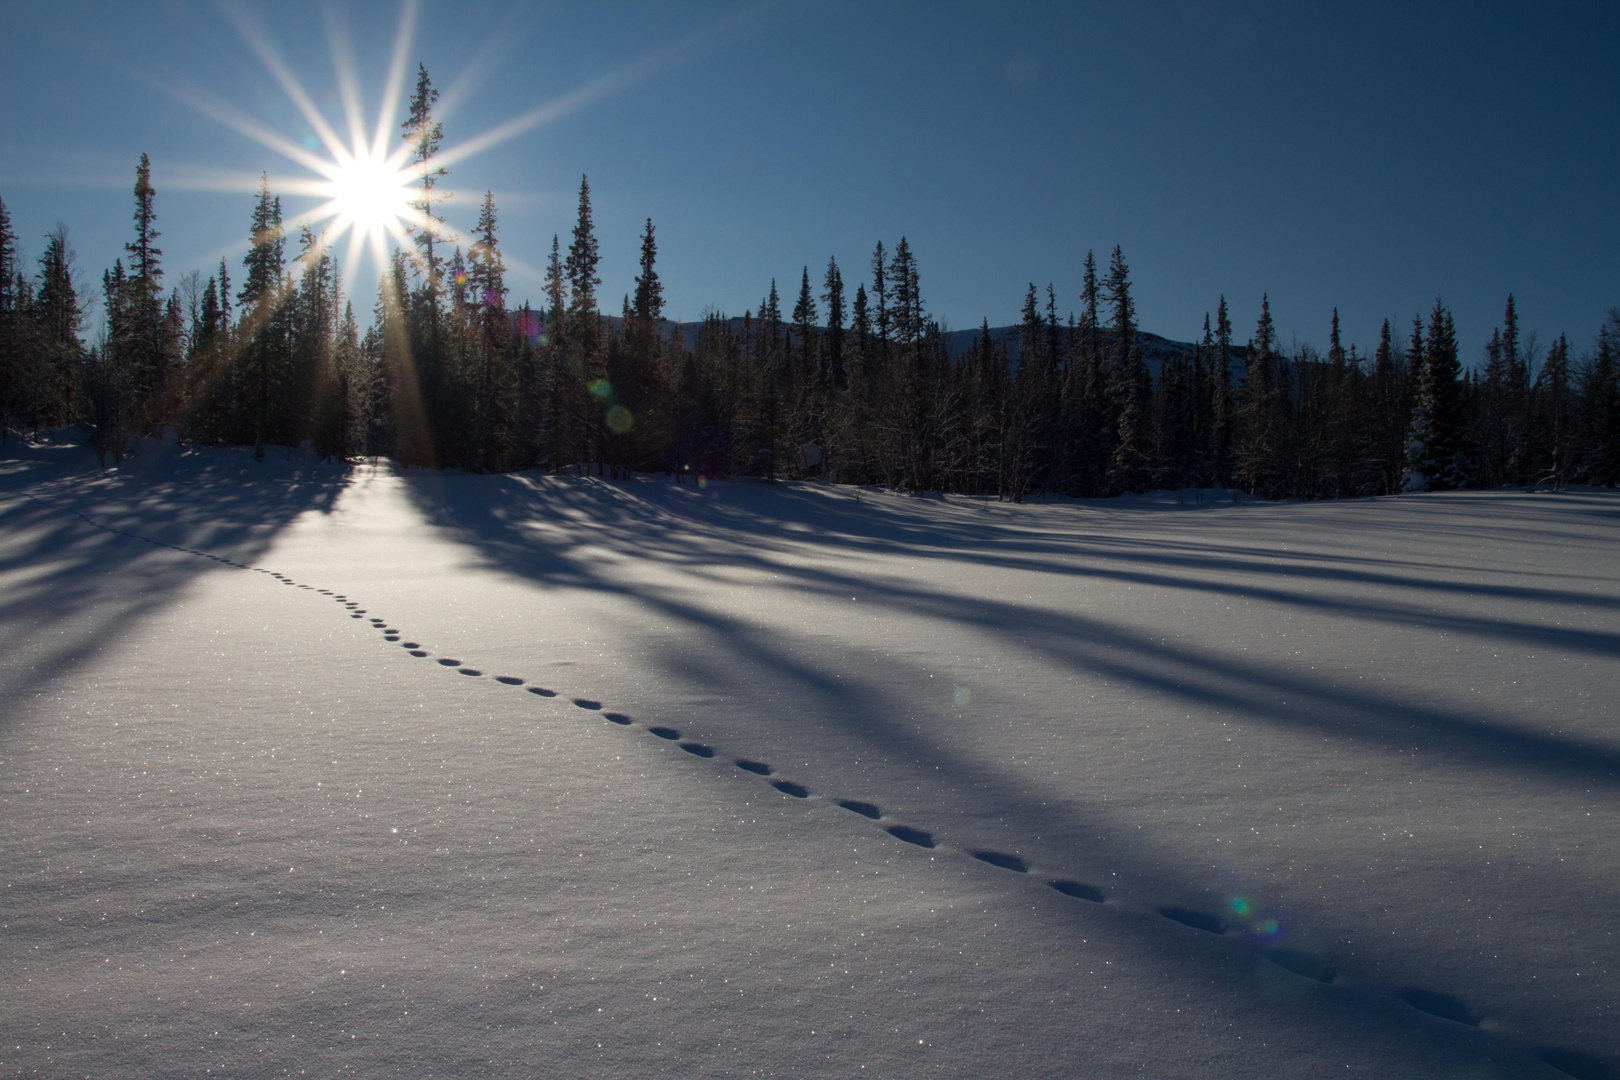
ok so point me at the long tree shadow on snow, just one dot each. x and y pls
(507, 521)
(646, 523)
(75, 589)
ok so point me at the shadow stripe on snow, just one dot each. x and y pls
(1574, 1063)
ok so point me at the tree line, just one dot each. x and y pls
(856, 388)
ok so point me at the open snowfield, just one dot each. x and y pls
(1330, 789)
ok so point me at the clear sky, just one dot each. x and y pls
(1366, 156)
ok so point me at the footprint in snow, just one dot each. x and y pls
(665, 732)
(449, 663)
(1576, 1064)
(911, 836)
(616, 717)
(1444, 1006)
(1079, 890)
(471, 671)
(1198, 920)
(865, 809)
(758, 768)
(1006, 862)
(509, 680)
(788, 787)
(1304, 964)
(587, 703)
(542, 691)
(698, 749)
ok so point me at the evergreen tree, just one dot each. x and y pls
(16, 381)
(1259, 454)
(1087, 411)
(1600, 403)
(1436, 455)
(582, 259)
(880, 290)
(1552, 419)
(57, 320)
(1128, 383)
(833, 283)
(261, 336)
(146, 353)
(807, 391)
(1223, 413)
(1420, 430)
(1515, 398)
(424, 134)
(649, 304)
(583, 336)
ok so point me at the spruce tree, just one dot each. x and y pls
(15, 381)
(808, 389)
(1552, 417)
(583, 336)
(833, 283)
(1258, 458)
(423, 135)
(146, 354)
(583, 255)
(1128, 385)
(649, 302)
(1600, 405)
(1420, 429)
(57, 319)
(1436, 456)
(261, 299)
(1223, 413)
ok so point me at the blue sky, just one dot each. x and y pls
(1367, 156)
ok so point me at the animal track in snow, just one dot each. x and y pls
(1573, 1063)
(1444, 1006)
(1079, 890)
(1303, 963)
(1006, 862)
(1198, 920)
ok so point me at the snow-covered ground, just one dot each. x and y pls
(247, 828)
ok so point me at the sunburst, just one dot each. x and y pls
(366, 182)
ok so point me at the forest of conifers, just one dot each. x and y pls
(853, 388)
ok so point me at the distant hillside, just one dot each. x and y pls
(1155, 349)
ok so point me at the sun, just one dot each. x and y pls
(368, 193)
(384, 197)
